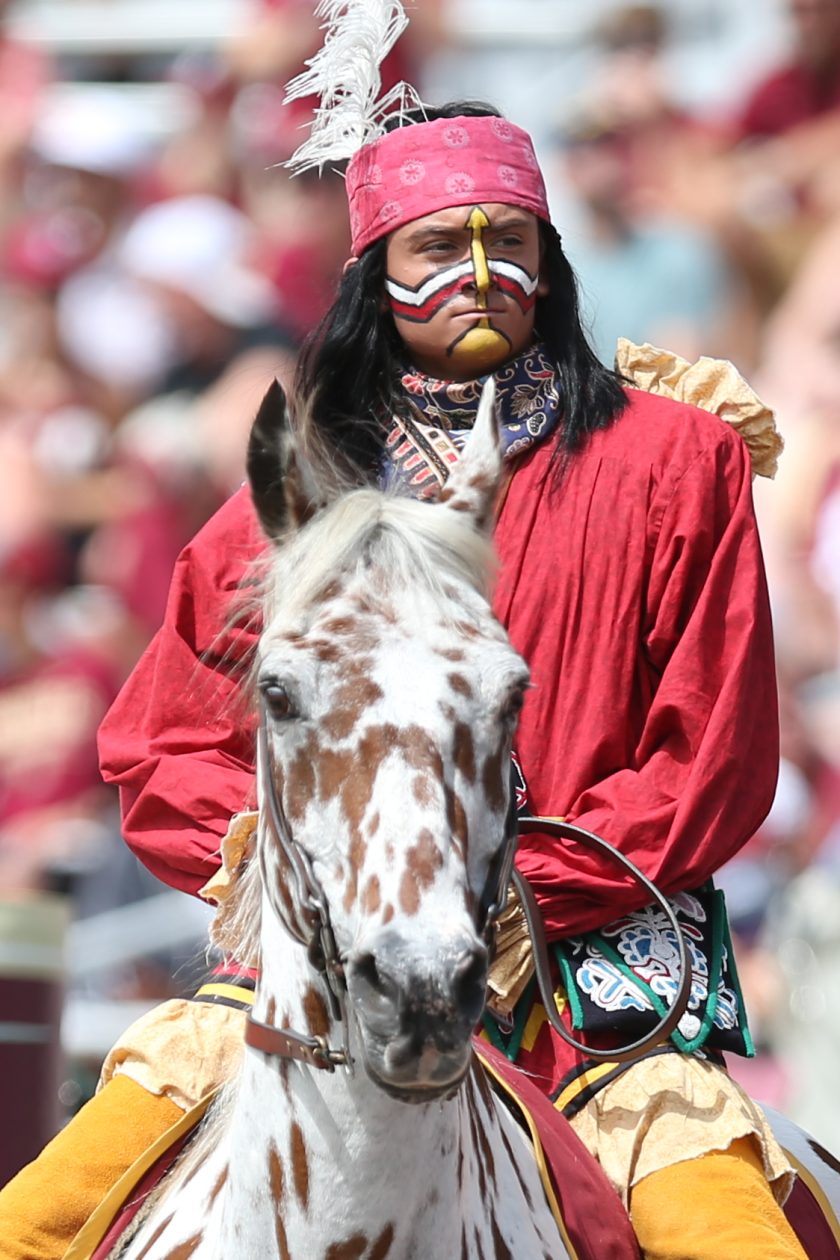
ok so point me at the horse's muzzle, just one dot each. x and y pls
(415, 1020)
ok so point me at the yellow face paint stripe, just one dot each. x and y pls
(477, 222)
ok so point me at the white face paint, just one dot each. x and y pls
(462, 285)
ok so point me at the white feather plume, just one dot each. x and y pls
(346, 76)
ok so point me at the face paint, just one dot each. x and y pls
(469, 316)
(422, 303)
(481, 340)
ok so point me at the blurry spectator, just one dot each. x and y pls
(24, 74)
(800, 524)
(646, 277)
(781, 181)
(197, 158)
(666, 147)
(808, 85)
(630, 88)
(302, 223)
(800, 371)
(58, 675)
(86, 154)
(184, 446)
(282, 34)
(195, 255)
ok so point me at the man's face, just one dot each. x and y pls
(462, 286)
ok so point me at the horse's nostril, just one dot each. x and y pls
(367, 970)
(469, 981)
(371, 984)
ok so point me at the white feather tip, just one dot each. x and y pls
(346, 77)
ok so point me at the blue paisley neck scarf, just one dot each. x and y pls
(421, 449)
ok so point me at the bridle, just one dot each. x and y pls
(318, 938)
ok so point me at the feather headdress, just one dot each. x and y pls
(397, 175)
(346, 77)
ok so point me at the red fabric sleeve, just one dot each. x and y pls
(706, 759)
(179, 739)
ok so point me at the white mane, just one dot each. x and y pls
(410, 542)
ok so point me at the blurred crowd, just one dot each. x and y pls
(158, 267)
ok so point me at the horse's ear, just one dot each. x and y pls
(279, 487)
(474, 480)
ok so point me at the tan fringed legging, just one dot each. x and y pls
(43, 1208)
(716, 1207)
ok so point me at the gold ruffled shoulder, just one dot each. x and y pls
(237, 844)
(716, 385)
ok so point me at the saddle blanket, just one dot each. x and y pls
(589, 1214)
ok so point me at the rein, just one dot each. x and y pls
(319, 940)
(539, 947)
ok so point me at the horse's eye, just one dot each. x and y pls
(513, 706)
(279, 703)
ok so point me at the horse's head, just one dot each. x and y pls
(389, 695)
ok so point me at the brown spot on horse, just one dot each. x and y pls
(423, 791)
(315, 1012)
(353, 1249)
(382, 1246)
(372, 896)
(456, 819)
(464, 746)
(164, 1225)
(409, 893)
(300, 1167)
(424, 859)
(217, 1185)
(493, 780)
(459, 684)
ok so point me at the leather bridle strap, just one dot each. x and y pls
(318, 938)
(284, 1044)
(542, 964)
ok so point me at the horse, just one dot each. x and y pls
(388, 697)
(360, 1125)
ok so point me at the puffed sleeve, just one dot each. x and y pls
(179, 739)
(703, 772)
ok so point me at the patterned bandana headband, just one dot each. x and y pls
(395, 176)
(414, 170)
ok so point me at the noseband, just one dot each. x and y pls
(318, 938)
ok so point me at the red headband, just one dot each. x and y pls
(415, 170)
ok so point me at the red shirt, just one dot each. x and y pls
(791, 96)
(636, 592)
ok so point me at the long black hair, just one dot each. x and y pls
(349, 368)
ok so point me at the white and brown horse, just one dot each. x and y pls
(389, 695)
(360, 1126)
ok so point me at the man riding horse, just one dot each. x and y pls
(631, 581)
